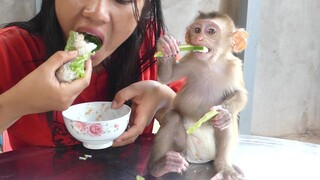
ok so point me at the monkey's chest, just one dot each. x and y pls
(200, 144)
(195, 99)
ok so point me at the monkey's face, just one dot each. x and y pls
(205, 32)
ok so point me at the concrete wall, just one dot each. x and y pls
(18, 10)
(287, 88)
(287, 71)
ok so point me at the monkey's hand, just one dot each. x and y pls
(170, 162)
(228, 173)
(223, 119)
(169, 46)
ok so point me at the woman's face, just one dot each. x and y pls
(113, 21)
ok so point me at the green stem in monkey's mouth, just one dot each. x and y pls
(186, 47)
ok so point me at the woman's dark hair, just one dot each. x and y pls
(126, 64)
(125, 67)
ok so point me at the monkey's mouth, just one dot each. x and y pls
(209, 50)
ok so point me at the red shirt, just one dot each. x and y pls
(22, 52)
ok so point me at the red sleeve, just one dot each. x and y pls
(20, 53)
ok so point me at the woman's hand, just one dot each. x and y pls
(40, 91)
(169, 46)
(149, 98)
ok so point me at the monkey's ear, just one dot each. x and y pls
(239, 41)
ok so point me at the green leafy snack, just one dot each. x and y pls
(202, 120)
(139, 177)
(86, 45)
(186, 47)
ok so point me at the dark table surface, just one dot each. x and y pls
(112, 163)
(258, 157)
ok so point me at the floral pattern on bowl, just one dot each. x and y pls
(93, 129)
(96, 124)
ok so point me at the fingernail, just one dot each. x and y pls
(114, 104)
(73, 53)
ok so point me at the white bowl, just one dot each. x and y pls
(96, 124)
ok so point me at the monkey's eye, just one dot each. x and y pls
(197, 30)
(211, 31)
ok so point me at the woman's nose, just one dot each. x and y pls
(97, 10)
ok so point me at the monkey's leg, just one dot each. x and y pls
(169, 143)
(225, 141)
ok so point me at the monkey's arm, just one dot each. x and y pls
(235, 101)
(169, 70)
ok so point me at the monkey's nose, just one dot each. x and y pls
(200, 38)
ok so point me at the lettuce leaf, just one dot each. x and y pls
(202, 120)
(76, 68)
(77, 65)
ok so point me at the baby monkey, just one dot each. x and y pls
(214, 81)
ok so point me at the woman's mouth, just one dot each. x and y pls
(93, 39)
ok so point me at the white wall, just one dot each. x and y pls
(286, 90)
(18, 10)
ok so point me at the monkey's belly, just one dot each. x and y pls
(200, 144)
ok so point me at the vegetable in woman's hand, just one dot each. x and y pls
(86, 45)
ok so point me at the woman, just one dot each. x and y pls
(32, 99)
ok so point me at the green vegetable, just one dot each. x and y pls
(86, 45)
(70, 42)
(185, 47)
(139, 177)
(202, 120)
(77, 65)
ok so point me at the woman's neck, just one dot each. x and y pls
(98, 68)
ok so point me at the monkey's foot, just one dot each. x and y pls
(228, 174)
(170, 162)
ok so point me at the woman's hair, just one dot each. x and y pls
(126, 64)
